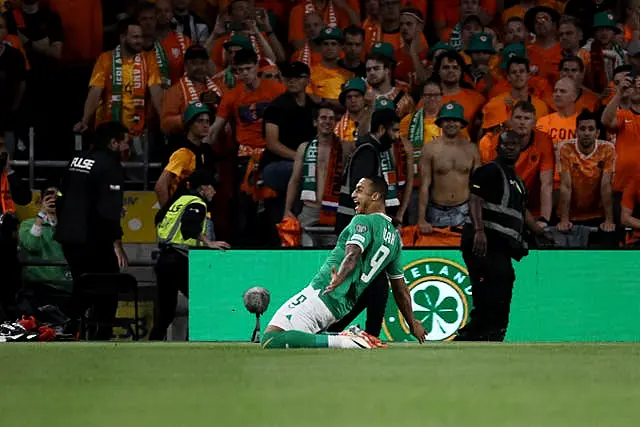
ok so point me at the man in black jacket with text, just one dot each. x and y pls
(89, 212)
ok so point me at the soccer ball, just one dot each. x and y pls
(256, 300)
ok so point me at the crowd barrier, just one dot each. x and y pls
(559, 295)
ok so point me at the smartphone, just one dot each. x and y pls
(232, 26)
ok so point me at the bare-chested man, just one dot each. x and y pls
(446, 165)
(318, 168)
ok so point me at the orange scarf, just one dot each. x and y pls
(309, 7)
(191, 94)
(18, 17)
(5, 194)
(139, 89)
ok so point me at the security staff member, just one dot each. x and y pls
(492, 236)
(181, 225)
(89, 210)
(370, 159)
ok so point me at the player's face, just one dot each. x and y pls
(362, 196)
(587, 132)
(197, 69)
(509, 149)
(247, 73)
(164, 12)
(353, 45)
(148, 22)
(408, 28)
(331, 50)
(312, 26)
(432, 97)
(605, 35)
(569, 36)
(481, 58)
(522, 122)
(133, 39)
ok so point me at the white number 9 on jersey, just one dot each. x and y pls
(376, 261)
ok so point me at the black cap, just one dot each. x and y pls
(296, 69)
(196, 52)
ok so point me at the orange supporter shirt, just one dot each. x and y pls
(296, 19)
(547, 60)
(559, 129)
(588, 99)
(327, 82)
(627, 148)
(498, 110)
(534, 159)
(246, 107)
(82, 23)
(538, 87)
(470, 100)
(182, 163)
(631, 193)
(586, 176)
(447, 13)
(102, 77)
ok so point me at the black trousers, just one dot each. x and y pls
(172, 275)
(492, 279)
(374, 299)
(96, 258)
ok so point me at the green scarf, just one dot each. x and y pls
(330, 194)
(163, 64)
(389, 173)
(229, 78)
(116, 90)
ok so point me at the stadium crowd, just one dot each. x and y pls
(274, 97)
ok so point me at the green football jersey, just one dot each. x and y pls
(381, 253)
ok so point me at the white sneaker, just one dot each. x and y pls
(375, 342)
(357, 340)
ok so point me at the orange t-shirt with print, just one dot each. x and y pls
(586, 173)
(627, 148)
(534, 159)
(588, 99)
(631, 193)
(296, 20)
(246, 107)
(559, 129)
(327, 82)
(470, 100)
(102, 77)
(547, 60)
(497, 111)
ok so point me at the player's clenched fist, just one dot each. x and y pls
(417, 330)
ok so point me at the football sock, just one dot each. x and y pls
(297, 339)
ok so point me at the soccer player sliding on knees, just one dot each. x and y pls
(369, 246)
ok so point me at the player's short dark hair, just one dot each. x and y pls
(451, 55)
(354, 30)
(385, 118)
(626, 68)
(124, 24)
(245, 57)
(430, 82)
(525, 107)
(379, 185)
(107, 131)
(316, 111)
(570, 20)
(518, 60)
(586, 115)
(575, 59)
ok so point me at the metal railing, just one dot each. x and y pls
(32, 163)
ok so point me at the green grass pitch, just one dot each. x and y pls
(229, 385)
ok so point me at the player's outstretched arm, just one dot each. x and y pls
(351, 256)
(403, 300)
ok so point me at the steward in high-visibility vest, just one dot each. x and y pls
(181, 226)
(495, 234)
